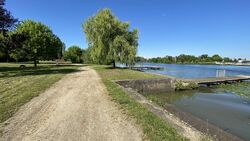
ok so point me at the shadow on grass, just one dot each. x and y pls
(40, 70)
(111, 68)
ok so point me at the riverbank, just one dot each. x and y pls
(202, 124)
(207, 111)
(153, 127)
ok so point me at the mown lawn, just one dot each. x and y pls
(18, 86)
(154, 128)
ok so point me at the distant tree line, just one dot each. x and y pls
(189, 59)
(26, 40)
(77, 55)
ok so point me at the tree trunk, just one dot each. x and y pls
(113, 63)
(7, 57)
(35, 62)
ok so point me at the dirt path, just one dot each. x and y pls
(75, 108)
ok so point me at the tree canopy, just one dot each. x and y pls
(189, 59)
(7, 21)
(216, 58)
(41, 42)
(109, 39)
(10, 42)
(74, 54)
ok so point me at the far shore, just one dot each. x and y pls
(226, 64)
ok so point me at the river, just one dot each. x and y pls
(198, 71)
(227, 110)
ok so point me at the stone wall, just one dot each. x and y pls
(149, 85)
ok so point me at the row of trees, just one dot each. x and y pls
(109, 40)
(191, 59)
(26, 40)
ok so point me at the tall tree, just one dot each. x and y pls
(204, 58)
(7, 21)
(86, 59)
(110, 40)
(73, 53)
(10, 42)
(227, 59)
(41, 42)
(216, 58)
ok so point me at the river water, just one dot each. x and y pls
(198, 71)
(226, 110)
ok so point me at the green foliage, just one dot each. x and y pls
(3, 52)
(190, 59)
(181, 85)
(166, 59)
(86, 58)
(109, 39)
(216, 58)
(74, 54)
(10, 42)
(28, 40)
(41, 42)
(139, 59)
(7, 21)
(186, 58)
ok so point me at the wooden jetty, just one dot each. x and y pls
(219, 80)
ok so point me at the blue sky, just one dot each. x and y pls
(166, 27)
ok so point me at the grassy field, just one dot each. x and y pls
(18, 86)
(153, 127)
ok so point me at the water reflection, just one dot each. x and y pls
(220, 73)
(226, 110)
(172, 97)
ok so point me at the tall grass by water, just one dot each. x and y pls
(154, 128)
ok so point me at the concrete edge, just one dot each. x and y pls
(184, 127)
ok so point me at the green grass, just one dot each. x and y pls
(154, 128)
(18, 86)
(120, 74)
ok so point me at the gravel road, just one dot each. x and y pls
(75, 108)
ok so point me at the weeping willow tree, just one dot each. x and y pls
(109, 39)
